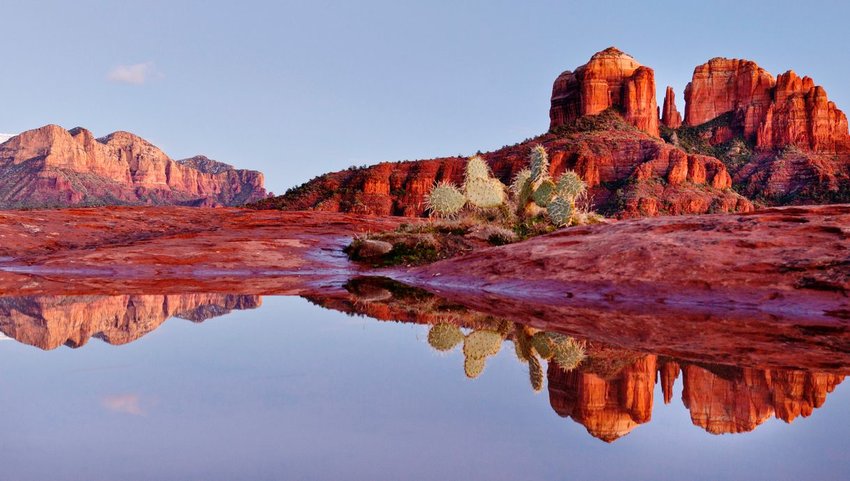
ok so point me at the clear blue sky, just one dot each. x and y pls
(296, 89)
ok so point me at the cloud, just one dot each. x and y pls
(135, 74)
(123, 403)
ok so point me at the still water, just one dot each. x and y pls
(250, 388)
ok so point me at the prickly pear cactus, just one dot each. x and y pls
(567, 353)
(444, 336)
(560, 211)
(539, 164)
(522, 345)
(542, 343)
(544, 192)
(485, 193)
(570, 185)
(473, 367)
(445, 200)
(481, 344)
(535, 374)
(521, 181)
(477, 169)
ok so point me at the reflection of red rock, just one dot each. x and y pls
(48, 322)
(51, 166)
(739, 400)
(608, 408)
(612, 79)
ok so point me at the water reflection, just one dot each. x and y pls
(48, 322)
(607, 389)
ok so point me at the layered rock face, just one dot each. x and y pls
(48, 322)
(612, 79)
(54, 167)
(629, 174)
(784, 140)
(788, 111)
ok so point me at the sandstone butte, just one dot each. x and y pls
(612, 391)
(54, 167)
(745, 139)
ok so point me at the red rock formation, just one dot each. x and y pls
(666, 180)
(790, 111)
(612, 79)
(48, 322)
(735, 400)
(722, 85)
(51, 166)
(801, 115)
(608, 408)
(670, 116)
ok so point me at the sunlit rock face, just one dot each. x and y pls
(611, 79)
(48, 322)
(54, 167)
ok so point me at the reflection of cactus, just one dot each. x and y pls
(481, 344)
(485, 193)
(570, 185)
(544, 192)
(444, 336)
(568, 352)
(473, 367)
(445, 200)
(560, 211)
(539, 164)
(477, 169)
(535, 373)
(522, 345)
(542, 344)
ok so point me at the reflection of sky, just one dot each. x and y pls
(292, 391)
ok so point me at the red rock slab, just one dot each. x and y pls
(708, 288)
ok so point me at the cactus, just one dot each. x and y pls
(535, 374)
(522, 345)
(539, 164)
(481, 344)
(444, 336)
(473, 367)
(570, 185)
(505, 328)
(445, 200)
(542, 344)
(544, 192)
(567, 353)
(521, 181)
(560, 211)
(476, 169)
(485, 193)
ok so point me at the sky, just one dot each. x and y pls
(296, 89)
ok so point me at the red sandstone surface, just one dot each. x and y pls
(51, 166)
(670, 116)
(700, 288)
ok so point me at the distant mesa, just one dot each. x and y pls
(54, 167)
(745, 139)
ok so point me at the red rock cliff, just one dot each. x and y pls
(51, 166)
(612, 79)
(670, 116)
(788, 111)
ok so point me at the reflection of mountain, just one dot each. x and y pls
(48, 322)
(612, 390)
(721, 399)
